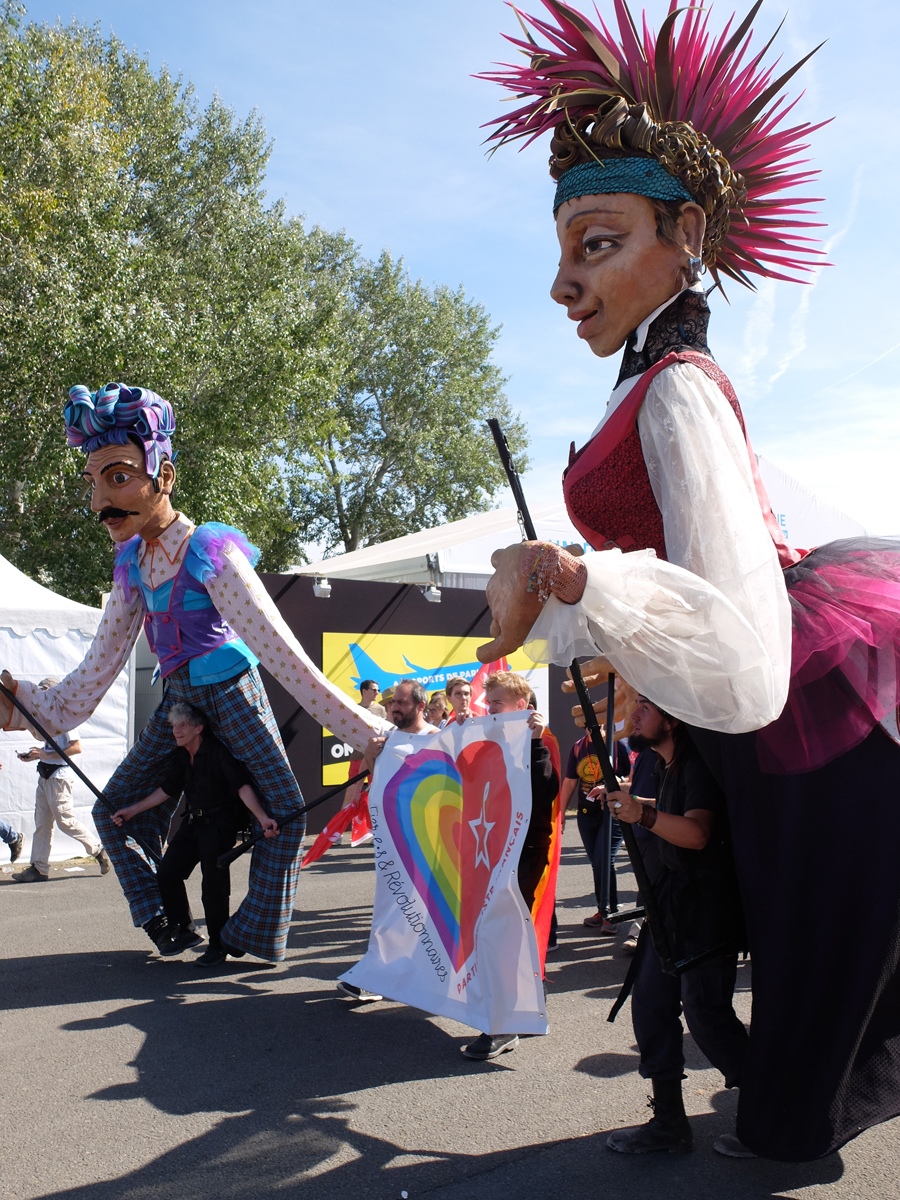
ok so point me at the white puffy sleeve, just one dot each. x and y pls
(706, 635)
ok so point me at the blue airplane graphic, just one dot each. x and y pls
(429, 677)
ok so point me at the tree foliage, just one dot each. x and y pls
(318, 396)
(403, 442)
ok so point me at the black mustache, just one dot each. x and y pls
(112, 514)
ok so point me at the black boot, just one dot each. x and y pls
(668, 1128)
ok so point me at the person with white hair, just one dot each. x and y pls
(53, 806)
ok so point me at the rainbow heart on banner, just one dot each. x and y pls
(449, 822)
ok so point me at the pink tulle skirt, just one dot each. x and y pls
(845, 666)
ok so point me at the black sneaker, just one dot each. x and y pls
(213, 957)
(232, 952)
(31, 875)
(490, 1047)
(356, 993)
(183, 940)
(15, 847)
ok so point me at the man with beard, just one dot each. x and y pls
(407, 711)
(210, 622)
(695, 886)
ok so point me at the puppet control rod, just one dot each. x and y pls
(226, 859)
(152, 854)
(654, 920)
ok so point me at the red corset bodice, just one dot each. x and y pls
(607, 488)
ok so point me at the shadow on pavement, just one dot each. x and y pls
(283, 1065)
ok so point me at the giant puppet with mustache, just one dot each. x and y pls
(210, 622)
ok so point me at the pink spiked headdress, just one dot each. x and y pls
(705, 108)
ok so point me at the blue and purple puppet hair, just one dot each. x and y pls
(116, 414)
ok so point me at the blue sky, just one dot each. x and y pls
(375, 120)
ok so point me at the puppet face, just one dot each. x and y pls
(614, 270)
(122, 492)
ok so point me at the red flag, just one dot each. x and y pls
(330, 835)
(545, 892)
(361, 826)
(478, 704)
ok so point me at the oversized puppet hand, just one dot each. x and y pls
(6, 708)
(524, 577)
(596, 672)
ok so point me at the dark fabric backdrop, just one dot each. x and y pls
(362, 607)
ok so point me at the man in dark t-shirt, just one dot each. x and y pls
(215, 785)
(581, 779)
(695, 888)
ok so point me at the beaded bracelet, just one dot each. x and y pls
(551, 571)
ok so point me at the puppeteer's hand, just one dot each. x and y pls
(513, 608)
(374, 747)
(537, 725)
(270, 827)
(6, 708)
(123, 814)
(624, 808)
(596, 672)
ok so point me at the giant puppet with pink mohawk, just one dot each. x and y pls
(210, 622)
(675, 154)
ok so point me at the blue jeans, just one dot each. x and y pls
(7, 833)
(591, 830)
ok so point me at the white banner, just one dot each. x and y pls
(451, 933)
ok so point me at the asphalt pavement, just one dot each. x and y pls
(129, 1077)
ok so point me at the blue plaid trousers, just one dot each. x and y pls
(240, 715)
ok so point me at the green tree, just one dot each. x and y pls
(403, 442)
(137, 244)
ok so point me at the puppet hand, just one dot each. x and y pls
(595, 673)
(6, 708)
(513, 608)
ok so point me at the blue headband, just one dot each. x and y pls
(639, 176)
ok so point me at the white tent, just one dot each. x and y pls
(44, 634)
(454, 555)
(805, 520)
(459, 554)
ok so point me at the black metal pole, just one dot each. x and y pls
(605, 839)
(512, 476)
(226, 859)
(108, 804)
(645, 887)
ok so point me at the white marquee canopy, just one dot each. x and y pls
(41, 634)
(459, 554)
